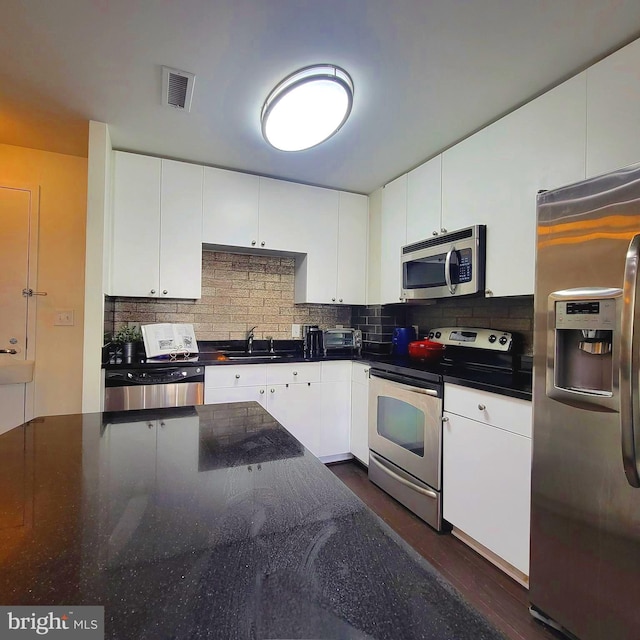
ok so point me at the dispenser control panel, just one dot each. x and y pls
(586, 314)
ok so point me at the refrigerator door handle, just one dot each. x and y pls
(629, 392)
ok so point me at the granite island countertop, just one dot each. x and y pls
(207, 522)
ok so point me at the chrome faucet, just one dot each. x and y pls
(250, 339)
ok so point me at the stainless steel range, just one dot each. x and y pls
(405, 416)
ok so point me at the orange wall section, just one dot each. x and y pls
(61, 261)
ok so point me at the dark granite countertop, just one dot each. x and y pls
(517, 385)
(207, 522)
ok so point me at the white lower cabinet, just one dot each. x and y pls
(486, 481)
(312, 400)
(359, 440)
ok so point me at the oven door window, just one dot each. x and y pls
(401, 423)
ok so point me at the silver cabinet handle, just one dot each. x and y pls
(261, 391)
(262, 243)
(445, 419)
(164, 291)
(28, 293)
(333, 299)
(237, 376)
(253, 243)
(426, 492)
(340, 300)
(629, 395)
(272, 390)
(434, 233)
(150, 425)
(10, 351)
(153, 291)
(481, 407)
(295, 373)
(443, 230)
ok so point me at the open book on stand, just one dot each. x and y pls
(165, 339)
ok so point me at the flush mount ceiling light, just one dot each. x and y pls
(307, 107)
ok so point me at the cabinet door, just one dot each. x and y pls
(235, 394)
(393, 237)
(335, 414)
(352, 248)
(486, 486)
(613, 108)
(300, 218)
(181, 230)
(359, 441)
(297, 408)
(135, 263)
(424, 201)
(230, 208)
(493, 177)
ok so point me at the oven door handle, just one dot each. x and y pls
(398, 478)
(402, 383)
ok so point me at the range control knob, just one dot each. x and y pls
(438, 334)
(503, 340)
(492, 338)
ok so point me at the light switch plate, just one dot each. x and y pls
(295, 330)
(63, 318)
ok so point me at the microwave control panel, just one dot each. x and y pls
(465, 268)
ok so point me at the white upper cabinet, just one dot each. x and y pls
(181, 230)
(135, 256)
(297, 217)
(352, 248)
(230, 208)
(493, 177)
(613, 111)
(157, 227)
(424, 201)
(393, 231)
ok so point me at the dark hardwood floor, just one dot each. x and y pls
(489, 590)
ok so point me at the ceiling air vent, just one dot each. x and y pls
(177, 88)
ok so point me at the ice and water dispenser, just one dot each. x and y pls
(583, 346)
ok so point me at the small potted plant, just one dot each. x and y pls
(129, 337)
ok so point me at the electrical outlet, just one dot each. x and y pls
(295, 330)
(63, 318)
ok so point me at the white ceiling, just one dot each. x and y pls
(426, 73)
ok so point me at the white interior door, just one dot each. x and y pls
(18, 220)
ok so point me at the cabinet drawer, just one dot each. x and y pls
(512, 414)
(360, 372)
(293, 372)
(244, 375)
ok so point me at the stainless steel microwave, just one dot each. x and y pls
(449, 265)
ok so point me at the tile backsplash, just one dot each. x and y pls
(238, 292)
(513, 314)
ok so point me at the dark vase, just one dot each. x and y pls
(129, 352)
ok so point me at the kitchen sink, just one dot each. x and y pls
(257, 356)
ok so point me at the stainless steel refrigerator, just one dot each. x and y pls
(585, 513)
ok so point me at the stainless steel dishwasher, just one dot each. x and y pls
(153, 388)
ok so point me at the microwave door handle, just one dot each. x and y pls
(447, 272)
(629, 393)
